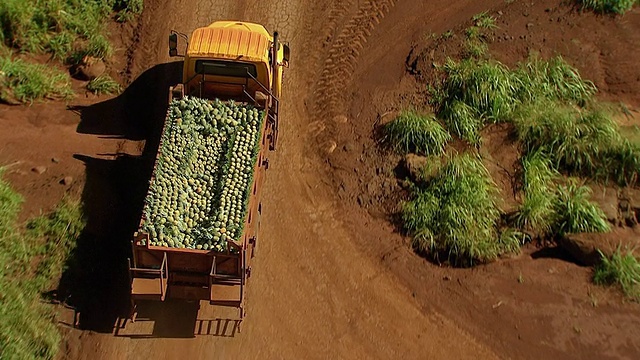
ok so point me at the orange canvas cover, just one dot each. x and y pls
(231, 40)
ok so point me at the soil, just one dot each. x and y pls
(334, 278)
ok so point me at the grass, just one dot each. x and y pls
(103, 84)
(552, 79)
(580, 141)
(31, 260)
(536, 213)
(553, 110)
(475, 92)
(575, 213)
(622, 270)
(549, 209)
(475, 44)
(484, 20)
(26, 82)
(609, 6)
(67, 30)
(57, 27)
(455, 215)
(417, 133)
(128, 9)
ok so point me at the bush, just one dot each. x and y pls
(56, 26)
(584, 142)
(128, 9)
(479, 91)
(623, 270)
(552, 79)
(413, 132)
(455, 214)
(27, 82)
(575, 213)
(609, 6)
(30, 261)
(103, 84)
(536, 214)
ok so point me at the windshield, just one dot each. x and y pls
(225, 68)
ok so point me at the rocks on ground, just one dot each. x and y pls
(89, 69)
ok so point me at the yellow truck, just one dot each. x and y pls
(239, 62)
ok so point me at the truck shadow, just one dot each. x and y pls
(136, 113)
(173, 319)
(95, 281)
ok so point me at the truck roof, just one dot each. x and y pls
(231, 40)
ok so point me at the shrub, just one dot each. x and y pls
(27, 82)
(30, 261)
(620, 269)
(609, 6)
(584, 142)
(103, 84)
(54, 26)
(455, 214)
(575, 213)
(537, 212)
(413, 132)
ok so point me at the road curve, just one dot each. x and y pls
(313, 294)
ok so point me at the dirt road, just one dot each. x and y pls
(313, 293)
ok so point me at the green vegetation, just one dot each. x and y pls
(552, 108)
(455, 214)
(476, 45)
(26, 82)
(580, 141)
(476, 92)
(562, 130)
(575, 213)
(103, 84)
(609, 6)
(31, 260)
(127, 9)
(413, 132)
(536, 213)
(61, 27)
(620, 269)
(67, 30)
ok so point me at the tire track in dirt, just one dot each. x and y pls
(343, 54)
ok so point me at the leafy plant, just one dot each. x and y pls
(585, 142)
(621, 269)
(537, 212)
(57, 26)
(27, 82)
(413, 132)
(30, 261)
(609, 6)
(103, 84)
(455, 214)
(575, 213)
(484, 20)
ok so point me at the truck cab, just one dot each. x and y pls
(232, 59)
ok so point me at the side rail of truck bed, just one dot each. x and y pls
(157, 272)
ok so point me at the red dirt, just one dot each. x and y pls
(333, 278)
